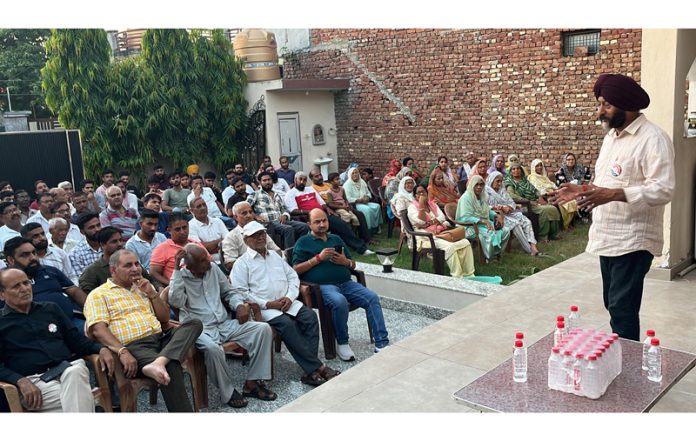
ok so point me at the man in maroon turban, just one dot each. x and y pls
(634, 180)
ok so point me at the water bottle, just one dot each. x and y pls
(573, 318)
(519, 362)
(559, 334)
(646, 345)
(655, 361)
(555, 376)
(619, 353)
(590, 379)
(578, 367)
(567, 365)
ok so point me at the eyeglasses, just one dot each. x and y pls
(10, 212)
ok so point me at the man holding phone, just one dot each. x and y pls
(322, 258)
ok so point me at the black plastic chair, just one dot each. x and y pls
(438, 254)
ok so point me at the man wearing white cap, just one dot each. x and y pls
(266, 279)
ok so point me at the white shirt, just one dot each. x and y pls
(210, 200)
(233, 245)
(641, 161)
(6, 233)
(59, 259)
(39, 219)
(215, 229)
(74, 235)
(281, 187)
(131, 201)
(263, 279)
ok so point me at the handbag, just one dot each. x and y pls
(453, 235)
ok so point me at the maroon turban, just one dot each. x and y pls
(622, 92)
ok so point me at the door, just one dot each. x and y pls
(289, 125)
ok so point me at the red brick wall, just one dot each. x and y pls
(509, 90)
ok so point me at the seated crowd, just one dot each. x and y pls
(141, 277)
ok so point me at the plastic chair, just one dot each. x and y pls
(437, 254)
(450, 211)
(314, 299)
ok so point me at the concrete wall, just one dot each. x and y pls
(312, 107)
(667, 56)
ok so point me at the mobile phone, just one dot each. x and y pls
(339, 249)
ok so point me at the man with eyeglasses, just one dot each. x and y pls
(10, 216)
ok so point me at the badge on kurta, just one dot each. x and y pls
(616, 170)
(52, 328)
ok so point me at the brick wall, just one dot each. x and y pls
(426, 93)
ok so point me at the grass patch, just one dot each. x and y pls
(513, 266)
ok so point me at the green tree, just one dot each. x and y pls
(75, 84)
(179, 129)
(220, 85)
(22, 55)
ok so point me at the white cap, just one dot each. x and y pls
(251, 228)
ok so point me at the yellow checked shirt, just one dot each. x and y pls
(128, 313)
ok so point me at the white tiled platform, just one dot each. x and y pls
(420, 372)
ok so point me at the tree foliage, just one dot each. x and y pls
(75, 83)
(182, 98)
(22, 55)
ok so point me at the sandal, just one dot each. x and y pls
(237, 401)
(313, 379)
(261, 392)
(327, 373)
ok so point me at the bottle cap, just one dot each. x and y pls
(579, 355)
(519, 336)
(574, 308)
(606, 345)
(567, 352)
(650, 333)
(560, 324)
(556, 349)
(518, 343)
(598, 353)
(560, 318)
(614, 335)
(655, 341)
(592, 357)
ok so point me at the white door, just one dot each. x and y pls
(290, 139)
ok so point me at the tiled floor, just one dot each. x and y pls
(421, 372)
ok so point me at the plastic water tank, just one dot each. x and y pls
(258, 50)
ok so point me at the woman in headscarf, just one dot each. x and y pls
(404, 196)
(394, 168)
(358, 193)
(501, 202)
(570, 171)
(573, 173)
(440, 189)
(473, 207)
(411, 163)
(393, 185)
(426, 217)
(519, 188)
(497, 164)
(479, 169)
(513, 158)
(540, 180)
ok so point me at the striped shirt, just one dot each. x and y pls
(641, 161)
(144, 248)
(128, 312)
(125, 220)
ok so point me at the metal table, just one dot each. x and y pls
(631, 391)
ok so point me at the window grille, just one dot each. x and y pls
(585, 38)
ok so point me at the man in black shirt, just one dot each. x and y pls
(38, 340)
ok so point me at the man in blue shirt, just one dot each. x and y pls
(323, 258)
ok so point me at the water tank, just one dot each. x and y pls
(258, 50)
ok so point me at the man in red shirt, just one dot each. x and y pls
(302, 199)
(162, 261)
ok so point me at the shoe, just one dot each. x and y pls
(237, 401)
(261, 392)
(378, 350)
(345, 353)
(313, 379)
(367, 253)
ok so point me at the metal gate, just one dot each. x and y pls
(254, 148)
(52, 155)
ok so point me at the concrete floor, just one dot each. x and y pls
(420, 373)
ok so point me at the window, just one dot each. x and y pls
(586, 40)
